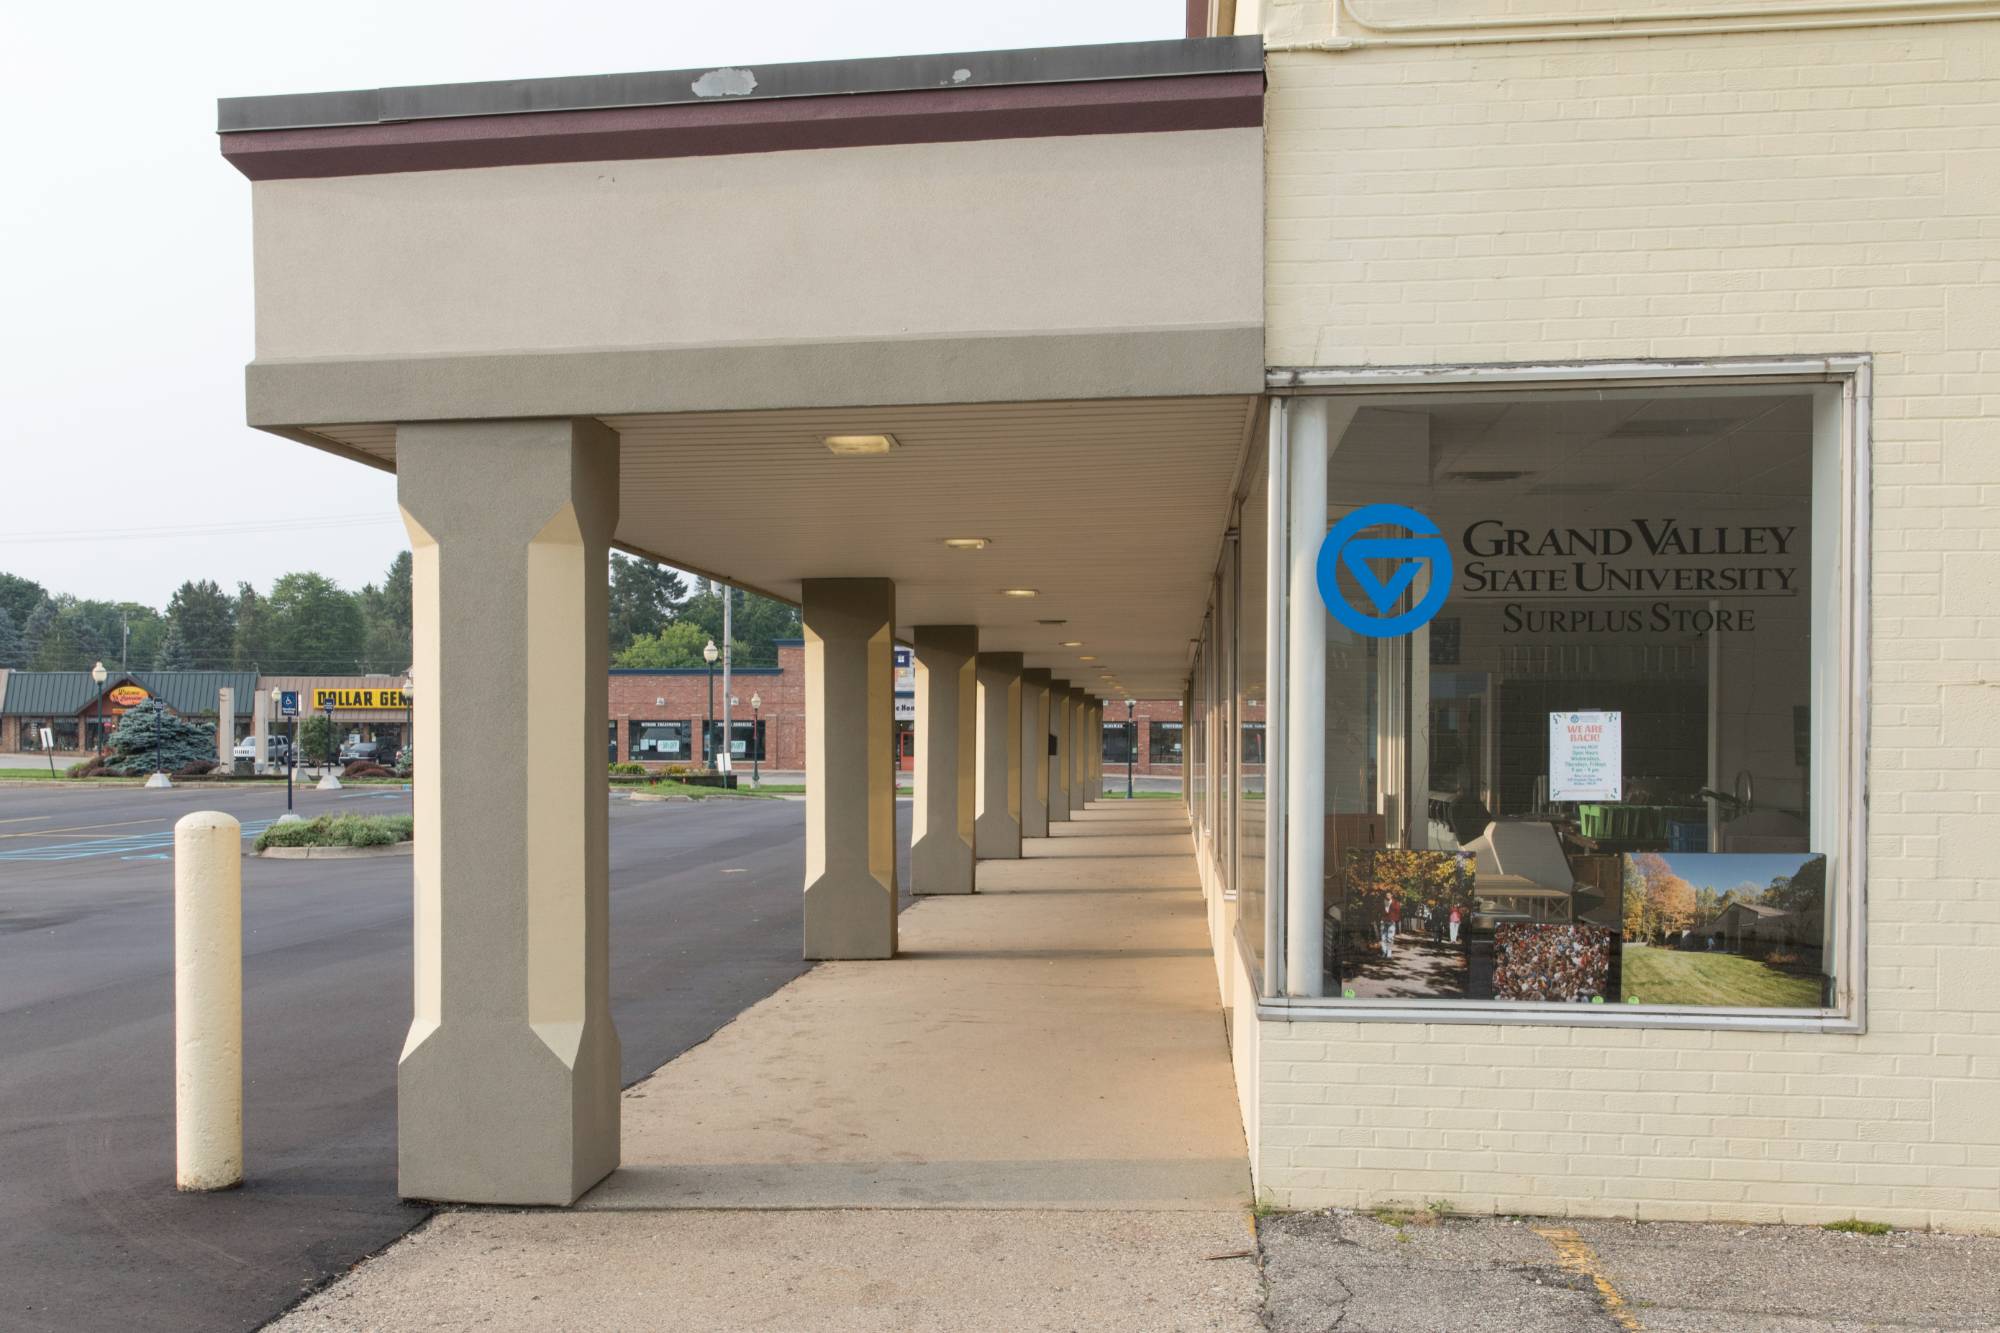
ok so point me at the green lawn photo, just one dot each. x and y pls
(1670, 976)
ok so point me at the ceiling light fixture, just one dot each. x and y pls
(967, 543)
(1085, 657)
(1017, 592)
(1070, 643)
(856, 446)
(1052, 622)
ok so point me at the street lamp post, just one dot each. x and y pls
(97, 676)
(159, 720)
(709, 653)
(1131, 746)
(756, 737)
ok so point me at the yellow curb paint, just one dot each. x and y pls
(1575, 1254)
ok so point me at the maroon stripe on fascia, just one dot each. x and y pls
(707, 129)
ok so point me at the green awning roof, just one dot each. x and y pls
(67, 693)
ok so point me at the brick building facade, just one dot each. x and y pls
(657, 714)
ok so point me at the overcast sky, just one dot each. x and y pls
(125, 244)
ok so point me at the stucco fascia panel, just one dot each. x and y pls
(1116, 232)
(290, 397)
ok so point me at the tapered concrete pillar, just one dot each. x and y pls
(996, 804)
(947, 776)
(1079, 751)
(1093, 754)
(507, 1090)
(1035, 699)
(850, 784)
(1061, 699)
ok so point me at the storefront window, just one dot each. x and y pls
(661, 742)
(1577, 666)
(1246, 743)
(1117, 743)
(1163, 743)
(744, 736)
(64, 731)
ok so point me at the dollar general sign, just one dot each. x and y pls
(324, 699)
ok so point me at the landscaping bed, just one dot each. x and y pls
(338, 835)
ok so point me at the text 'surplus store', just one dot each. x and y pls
(1618, 562)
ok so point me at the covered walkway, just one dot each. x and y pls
(1052, 1041)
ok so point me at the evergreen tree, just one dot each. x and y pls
(71, 635)
(36, 628)
(21, 598)
(151, 737)
(13, 643)
(386, 613)
(173, 654)
(644, 597)
(250, 647)
(205, 618)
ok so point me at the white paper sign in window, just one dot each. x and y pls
(1586, 761)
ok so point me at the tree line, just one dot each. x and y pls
(307, 624)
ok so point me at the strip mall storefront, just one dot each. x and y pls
(1614, 568)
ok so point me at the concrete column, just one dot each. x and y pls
(1079, 750)
(997, 793)
(1061, 698)
(941, 823)
(1094, 756)
(1035, 697)
(260, 730)
(225, 728)
(507, 1092)
(850, 778)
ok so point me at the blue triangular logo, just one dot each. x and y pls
(1381, 593)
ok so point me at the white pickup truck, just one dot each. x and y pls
(276, 749)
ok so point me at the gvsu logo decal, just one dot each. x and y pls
(1382, 569)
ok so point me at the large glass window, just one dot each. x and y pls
(1246, 742)
(1117, 743)
(63, 730)
(662, 742)
(1163, 743)
(1576, 671)
(746, 740)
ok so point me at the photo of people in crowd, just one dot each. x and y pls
(1552, 961)
(1400, 923)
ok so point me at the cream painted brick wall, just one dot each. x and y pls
(1729, 195)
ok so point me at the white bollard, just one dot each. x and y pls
(208, 1001)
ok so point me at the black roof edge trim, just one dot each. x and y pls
(1173, 58)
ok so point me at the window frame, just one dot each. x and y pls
(1847, 380)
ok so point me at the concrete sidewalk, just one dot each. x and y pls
(1025, 1121)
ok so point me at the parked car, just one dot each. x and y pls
(354, 750)
(276, 749)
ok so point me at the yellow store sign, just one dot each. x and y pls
(324, 699)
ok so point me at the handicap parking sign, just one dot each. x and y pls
(288, 703)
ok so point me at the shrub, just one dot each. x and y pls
(84, 768)
(339, 831)
(148, 731)
(366, 768)
(629, 770)
(195, 768)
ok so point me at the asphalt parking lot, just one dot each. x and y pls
(705, 912)
(1391, 1273)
